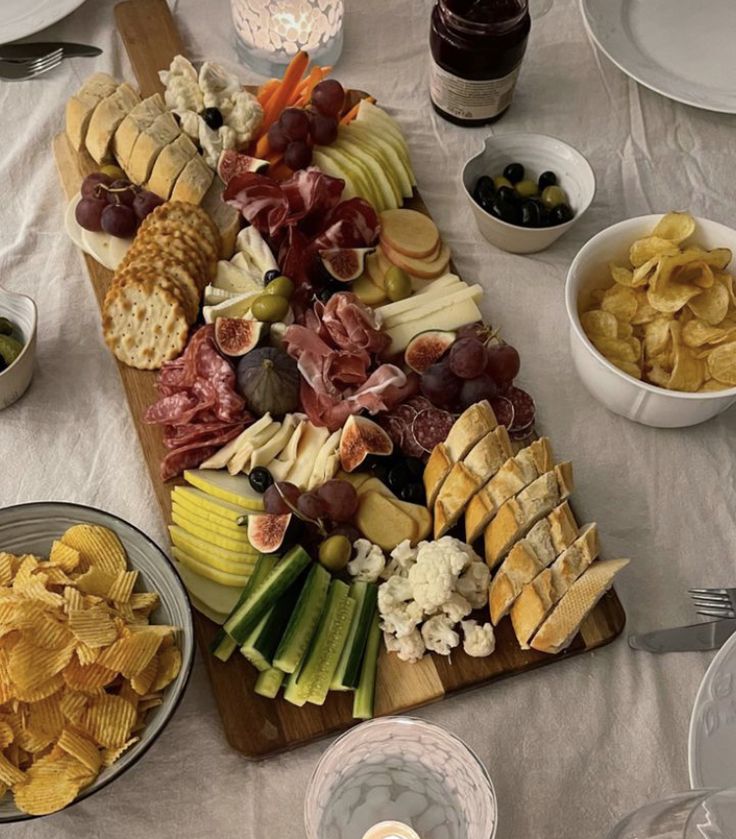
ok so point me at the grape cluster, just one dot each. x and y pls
(112, 204)
(477, 367)
(298, 129)
(335, 501)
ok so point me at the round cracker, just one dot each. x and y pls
(181, 230)
(190, 256)
(156, 274)
(189, 214)
(157, 265)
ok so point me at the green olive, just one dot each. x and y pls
(526, 188)
(10, 349)
(281, 287)
(269, 308)
(398, 284)
(6, 326)
(334, 552)
(552, 196)
(500, 181)
(112, 171)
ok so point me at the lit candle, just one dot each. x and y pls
(391, 830)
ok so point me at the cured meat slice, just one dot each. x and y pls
(431, 427)
(503, 408)
(260, 199)
(352, 325)
(524, 411)
(351, 224)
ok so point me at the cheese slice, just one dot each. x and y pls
(438, 286)
(220, 458)
(141, 117)
(105, 120)
(79, 108)
(451, 317)
(226, 218)
(233, 278)
(239, 461)
(312, 440)
(106, 249)
(170, 164)
(194, 181)
(327, 461)
(151, 141)
(266, 452)
(252, 246)
(437, 302)
(280, 466)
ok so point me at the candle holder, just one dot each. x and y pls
(270, 32)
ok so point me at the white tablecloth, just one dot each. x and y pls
(570, 748)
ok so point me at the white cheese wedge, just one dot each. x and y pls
(264, 454)
(327, 461)
(279, 467)
(447, 281)
(251, 242)
(421, 286)
(312, 440)
(211, 296)
(234, 307)
(239, 461)
(72, 226)
(220, 458)
(446, 318)
(232, 277)
(435, 302)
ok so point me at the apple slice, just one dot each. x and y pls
(372, 166)
(332, 168)
(410, 232)
(399, 166)
(382, 170)
(427, 269)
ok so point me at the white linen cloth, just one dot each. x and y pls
(571, 748)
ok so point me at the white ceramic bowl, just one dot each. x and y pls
(619, 392)
(31, 528)
(14, 380)
(538, 153)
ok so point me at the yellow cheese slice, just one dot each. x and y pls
(312, 440)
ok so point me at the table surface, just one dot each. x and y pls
(572, 748)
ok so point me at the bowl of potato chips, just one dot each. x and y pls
(652, 314)
(96, 648)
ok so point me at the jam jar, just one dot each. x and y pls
(477, 47)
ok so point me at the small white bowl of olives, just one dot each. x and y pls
(17, 345)
(527, 190)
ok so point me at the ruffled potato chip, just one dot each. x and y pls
(722, 364)
(599, 323)
(649, 248)
(97, 546)
(675, 227)
(621, 302)
(109, 719)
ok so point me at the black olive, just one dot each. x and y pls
(324, 294)
(560, 214)
(531, 214)
(378, 466)
(514, 172)
(3, 364)
(414, 493)
(213, 118)
(260, 479)
(271, 275)
(484, 191)
(398, 477)
(508, 195)
(415, 467)
(505, 211)
(546, 179)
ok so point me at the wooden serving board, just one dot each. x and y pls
(255, 726)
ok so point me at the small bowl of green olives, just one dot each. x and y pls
(526, 190)
(17, 345)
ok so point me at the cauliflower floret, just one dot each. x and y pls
(403, 619)
(434, 574)
(479, 640)
(392, 593)
(368, 561)
(216, 84)
(411, 648)
(456, 607)
(403, 556)
(473, 584)
(439, 636)
(182, 88)
(458, 547)
(245, 117)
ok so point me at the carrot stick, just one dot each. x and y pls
(266, 91)
(280, 171)
(305, 88)
(353, 112)
(277, 103)
(262, 148)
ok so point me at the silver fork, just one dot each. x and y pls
(715, 602)
(17, 71)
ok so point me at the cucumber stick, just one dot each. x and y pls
(366, 690)
(312, 682)
(347, 674)
(222, 645)
(269, 682)
(261, 644)
(246, 617)
(303, 622)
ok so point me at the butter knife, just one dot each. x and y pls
(700, 636)
(37, 49)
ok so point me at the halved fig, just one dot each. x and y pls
(361, 437)
(237, 336)
(428, 347)
(266, 532)
(344, 264)
(232, 163)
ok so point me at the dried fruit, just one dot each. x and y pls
(360, 438)
(236, 336)
(266, 532)
(344, 264)
(427, 347)
(268, 379)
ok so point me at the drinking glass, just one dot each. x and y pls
(698, 814)
(402, 769)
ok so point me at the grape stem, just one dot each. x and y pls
(318, 523)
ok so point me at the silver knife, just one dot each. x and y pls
(711, 635)
(37, 49)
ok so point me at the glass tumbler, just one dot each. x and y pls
(405, 770)
(698, 814)
(268, 33)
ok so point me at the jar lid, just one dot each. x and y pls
(482, 17)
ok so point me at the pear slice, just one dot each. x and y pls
(358, 173)
(385, 163)
(333, 169)
(371, 135)
(373, 166)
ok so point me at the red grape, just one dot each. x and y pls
(277, 140)
(468, 358)
(119, 220)
(274, 503)
(324, 129)
(340, 498)
(477, 389)
(294, 124)
(298, 155)
(311, 506)
(88, 212)
(121, 192)
(440, 385)
(328, 97)
(352, 534)
(91, 182)
(503, 364)
(474, 330)
(145, 202)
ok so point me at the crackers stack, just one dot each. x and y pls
(155, 294)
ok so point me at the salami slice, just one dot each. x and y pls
(419, 403)
(395, 428)
(431, 426)
(503, 408)
(410, 447)
(405, 412)
(524, 410)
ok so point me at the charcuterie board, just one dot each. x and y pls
(255, 726)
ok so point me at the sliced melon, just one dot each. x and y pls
(207, 506)
(218, 599)
(202, 517)
(222, 559)
(211, 535)
(233, 488)
(235, 581)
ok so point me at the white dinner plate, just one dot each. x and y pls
(683, 49)
(712, 740)
(20, 18)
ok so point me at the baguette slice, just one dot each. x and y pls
(150, 143)
(528, 558)
(538, 598)
(141, 117)
(437, 469)
(467, 476)
(80, 107)
(558, 631)
(513, 476)
(193, 182)
(518, 515)
(170, 164)
(105, 120)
